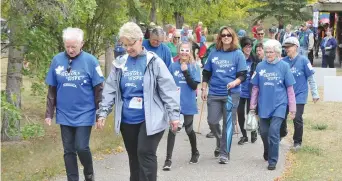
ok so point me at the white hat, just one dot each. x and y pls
(290, 42)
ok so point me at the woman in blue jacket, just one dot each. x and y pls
(225, 69)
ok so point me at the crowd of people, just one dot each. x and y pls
(157, 77)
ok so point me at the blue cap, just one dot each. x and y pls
(241, 33)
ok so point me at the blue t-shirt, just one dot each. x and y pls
(162, 51)
(301, 69)
(131, 86)
(245, 86)
(188, 102)
(272, 80)
(75, 104)
(224, 66)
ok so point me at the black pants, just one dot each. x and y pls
(311, 56)
(76, 142)
(241, 114)
(141, 151)
(188, 124)
(298, 125)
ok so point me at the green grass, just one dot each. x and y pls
(42, 158)
(320, 158)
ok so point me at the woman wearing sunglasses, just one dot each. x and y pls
(225, 69)
(187, 76)
(174, 45)
(146, 102)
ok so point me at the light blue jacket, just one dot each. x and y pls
(161, 100)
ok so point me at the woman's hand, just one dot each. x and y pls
(232, 84)
(184, 66)
(100, 123)
(292, 115)
(204, 95)
(48, 121)
(174, 125)
(315, 100)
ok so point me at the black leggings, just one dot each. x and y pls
(241, 114)
(188, 124)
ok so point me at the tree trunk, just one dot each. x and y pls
(13, 86)
(179, 20)
(281, 22)
(153, 16)
(109, 56)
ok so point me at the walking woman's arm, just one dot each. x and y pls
(193, 84)
(291, 99)
(108, 95)
(313, 88)
(98, 96)
(51, 102)
(254, 97)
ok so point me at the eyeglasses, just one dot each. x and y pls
(69, 66)
(183, 50)
(261, 34)
(176, 37)
(226, 35)
(269, 52)
(130, 45)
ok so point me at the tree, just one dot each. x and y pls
(281, 10)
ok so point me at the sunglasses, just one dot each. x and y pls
(226, 35)
(260, 33)
(69, 66)
(183, 50)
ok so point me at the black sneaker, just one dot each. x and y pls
(179, 129)
(254, 136)
(210, 135)
(271, 167)
(89, 177)
(243, 140)
(167, 165)
(194, 158)
(217, 152)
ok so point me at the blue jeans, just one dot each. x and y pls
(270, 135)
(76, 142)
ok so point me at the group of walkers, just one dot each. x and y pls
(153, 84)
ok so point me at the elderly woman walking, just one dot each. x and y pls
(272, 91)
(146, 102)
(224, 69)
(75, 86)
(303, 73)
(328, 46)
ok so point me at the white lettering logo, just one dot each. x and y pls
(59, 69)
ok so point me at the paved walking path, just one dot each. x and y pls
(246, 161)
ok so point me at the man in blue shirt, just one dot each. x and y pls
(155, 44)
(75, 87)
(303, 73)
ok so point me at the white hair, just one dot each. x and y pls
(131, 31)
(73, 34)
(273, 44)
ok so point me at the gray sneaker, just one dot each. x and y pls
(223, 160)
(296, 147)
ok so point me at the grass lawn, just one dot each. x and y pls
(42, 158)
(321, 155)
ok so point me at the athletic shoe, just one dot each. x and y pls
(210, 135)
(223, 160)
(194, 158)
(243, 140)
(271, 167)
(167, 165)
(217, 152)
(297, 147)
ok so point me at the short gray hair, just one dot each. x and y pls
(273, 44)
(159, 32)
(131, 31)
(73, 34)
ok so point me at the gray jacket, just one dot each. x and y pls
(161, 100)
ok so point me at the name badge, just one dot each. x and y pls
(136, 103)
